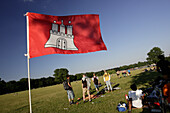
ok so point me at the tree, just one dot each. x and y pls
(167, 58)
(79, 76)
(99, 73)
(23, 84)
(2, 87)
(60, 75)
(11, 86)
(89, 74)
(73, 78)
(153, 55)
(50, 81)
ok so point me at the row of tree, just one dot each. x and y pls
(22, 84)
(60, 75)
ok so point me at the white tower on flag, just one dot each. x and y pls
(60, 39)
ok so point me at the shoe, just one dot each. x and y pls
(90, 100)
(70, 103)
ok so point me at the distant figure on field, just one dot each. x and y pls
(86, 87)
(95, 80)
(129, 73)
(146, 70)
(68, 88)
(124, 73)
(106, 78)
(135, 98)
(118, 73)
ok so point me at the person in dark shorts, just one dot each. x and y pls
(70, 92)
(95, 79)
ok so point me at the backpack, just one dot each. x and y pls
(65, 84)
(84, 83)
(122, 106)
(95, 81)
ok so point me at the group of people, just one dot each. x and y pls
(86, 85)
(163, 66)
(124, 73)
(136, 96)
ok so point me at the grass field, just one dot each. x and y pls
(53, 99)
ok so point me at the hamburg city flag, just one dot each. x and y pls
(73, 34)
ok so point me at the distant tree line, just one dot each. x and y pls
(22, 84)
(60, 75)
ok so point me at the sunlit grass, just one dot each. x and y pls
(53, 99)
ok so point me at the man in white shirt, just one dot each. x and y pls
(86, 87)
(135, 98)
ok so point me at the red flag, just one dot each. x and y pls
(63, 34)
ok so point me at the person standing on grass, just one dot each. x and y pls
(70, 92)
(86, 87)
(118, 73)
(95, 80)
(106, 78)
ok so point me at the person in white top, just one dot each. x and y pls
(86, 87)
(135, 98)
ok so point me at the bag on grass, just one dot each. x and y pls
(122, 106)
(65, 84)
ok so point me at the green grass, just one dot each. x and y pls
(53, 99)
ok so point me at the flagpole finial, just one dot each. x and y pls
(26, 14)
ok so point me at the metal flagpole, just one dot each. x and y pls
(28, 62)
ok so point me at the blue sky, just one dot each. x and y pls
(130, 29)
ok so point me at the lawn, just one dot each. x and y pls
(53, 99)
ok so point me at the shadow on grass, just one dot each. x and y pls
(115, 86)
(101, 92)
(144, 78)
(92, 91)
(26, 106)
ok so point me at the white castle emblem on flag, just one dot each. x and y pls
(60, 39)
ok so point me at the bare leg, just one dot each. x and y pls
(88, 92)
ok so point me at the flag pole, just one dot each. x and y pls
(28, 64)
